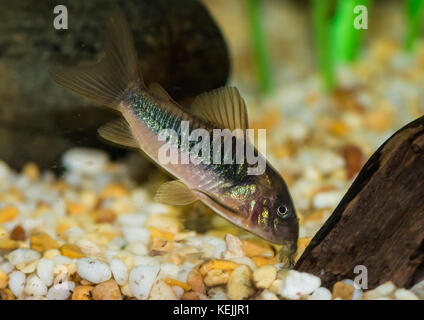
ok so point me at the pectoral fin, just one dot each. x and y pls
(119, 132)
(175, 193)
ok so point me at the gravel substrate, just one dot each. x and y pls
(95, 233)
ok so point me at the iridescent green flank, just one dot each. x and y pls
(158, 118)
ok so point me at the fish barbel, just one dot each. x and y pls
(258, 203)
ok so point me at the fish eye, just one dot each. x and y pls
(283, 211)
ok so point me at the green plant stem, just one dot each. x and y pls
(259, 44)
(346, 39)
(414, 10)
(321, 23)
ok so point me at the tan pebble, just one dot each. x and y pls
(262, 261)
(8, 213)
(160, 246)
(104, 216)
(27, 268)
(162, 291)
(3, 233)
(165, 223)
(216, 277)
(354, 159)
(122, 206)
(275, 285)
(31, 171)
(6, 294)
(156, 233)
(175, 259)
(75, 209)
(184, 235)
(343, 291)
(108, 290)
(240, 285)
(252, 248)
(3, 280)
(8, 244)
(85, 282)
(89, 198)
(176, 283)
(380, 118)
(82, 293)
(191, 296)
(217, 264)
(71, 251)
(264, 276)
(18, 233)
(42, 242)
(50, 254)
(384, 290)
(267, 295)
(126, 290)
(195, 280)
(61, 229)
(114, 190)
(234, 247)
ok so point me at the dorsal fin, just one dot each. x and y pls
(223, 107)
(175, 193)
(119, 132)
(159, 91)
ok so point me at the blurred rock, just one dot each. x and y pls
(178, 43)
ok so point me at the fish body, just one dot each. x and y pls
(258, 203)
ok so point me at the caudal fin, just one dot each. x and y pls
(106, 81)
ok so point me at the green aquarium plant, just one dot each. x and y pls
(321, 25)
(345, 37)
(336, 38)
(259, 44)
(414, 12)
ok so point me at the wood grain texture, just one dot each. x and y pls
(380, 221)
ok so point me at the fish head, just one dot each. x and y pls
(273, 215)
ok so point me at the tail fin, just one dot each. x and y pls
(106, 81)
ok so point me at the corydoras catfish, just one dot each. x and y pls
(258, 203)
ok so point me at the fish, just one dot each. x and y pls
(258, 203)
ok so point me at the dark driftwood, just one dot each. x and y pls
(380, 221)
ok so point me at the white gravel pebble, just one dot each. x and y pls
(23, 256)
(297, 284)
(135, 234)
(93, 270)
(148, 261)
(133, 220)
(61, 291)
(418, 289)
(169, 270)
(89, 248)
(320, 294)
(119, 271)
(45, 270)
(137, 248)
(84, 160)
(116, 244)
(6, 267)
(17, 283)
(35, 287)
(328, 199)
(59, 260)
(403, 294)
(141, 280)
